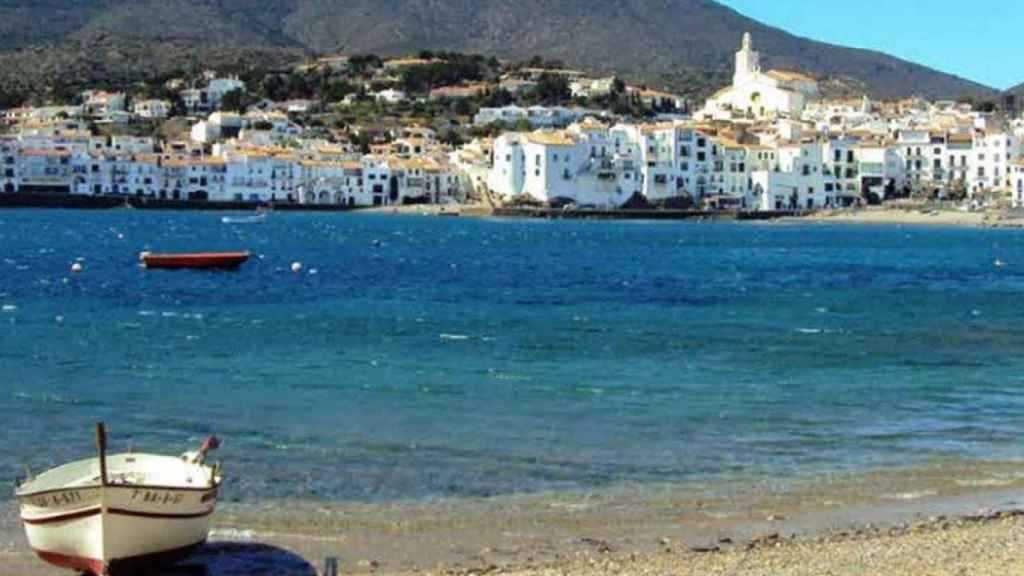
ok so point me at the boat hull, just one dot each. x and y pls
(124, 567)
(259, 219)
(113, 530)
(206, 260)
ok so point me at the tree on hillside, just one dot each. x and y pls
(551, 90)
(539, 62)
(235, 101)
(497, 99)
(362, 63)
(451, 138)
(273, 88)
(456, 69)
(9, 99)
(336, 90)
(463, 107)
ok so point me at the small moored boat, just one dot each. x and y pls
(254, 219)
(201, 260)
(121, 513)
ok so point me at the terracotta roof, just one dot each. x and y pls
(560, 138)
(590, 125)
(45, 152)
(458, 91)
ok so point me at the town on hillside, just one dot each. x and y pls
(444, 128)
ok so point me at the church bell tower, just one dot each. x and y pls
(748, 62)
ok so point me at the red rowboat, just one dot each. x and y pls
(199, 260)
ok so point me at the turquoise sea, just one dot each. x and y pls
(418, 357)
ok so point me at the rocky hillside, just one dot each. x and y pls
(684, 44)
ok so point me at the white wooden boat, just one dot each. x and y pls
(120, 513)
(258, 218)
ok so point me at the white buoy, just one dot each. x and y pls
(76, 267)
(999, 263)
(296, 267)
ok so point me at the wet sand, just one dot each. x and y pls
(928, 521)
(881, 215)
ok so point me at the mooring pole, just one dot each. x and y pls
(101, 446)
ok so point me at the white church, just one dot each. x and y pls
(760, 95)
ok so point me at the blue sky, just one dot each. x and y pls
(979, 40)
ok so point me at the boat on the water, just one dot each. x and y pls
(254, 219)
(120, 513)
(200, 260)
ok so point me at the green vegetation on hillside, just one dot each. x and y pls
(49, 48)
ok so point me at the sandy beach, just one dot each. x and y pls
(886, 215)
(870, 215)
(976, 545)
(943, 520)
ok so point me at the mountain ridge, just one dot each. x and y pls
(681, 44)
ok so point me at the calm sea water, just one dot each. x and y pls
(416, 357)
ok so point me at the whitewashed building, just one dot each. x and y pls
(153, 109)
(211, 96)
(758, 94)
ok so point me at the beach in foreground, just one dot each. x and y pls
(978, 546)
(948, 519)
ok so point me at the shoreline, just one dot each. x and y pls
(877, 215)
(638, 528)
(913, 217)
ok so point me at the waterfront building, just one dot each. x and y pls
(994, 151)
(563, 167)
(43, 171)
(1017, 182)
(880, 169)
(797, 181)
(8, 165)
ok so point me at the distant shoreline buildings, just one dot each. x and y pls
(768, 142)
